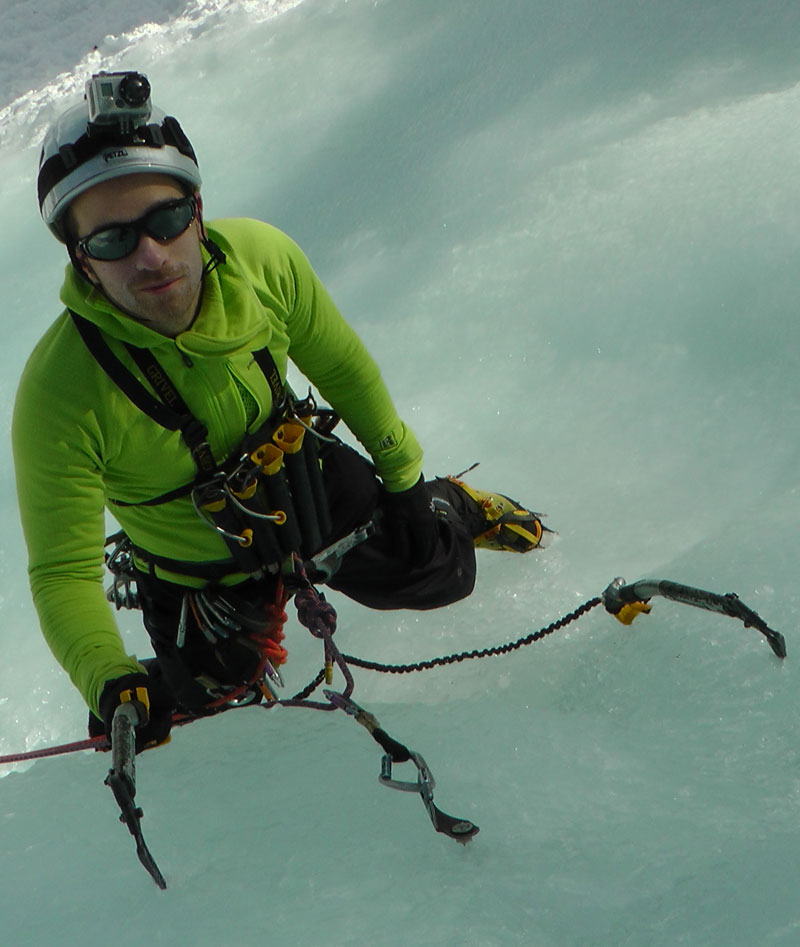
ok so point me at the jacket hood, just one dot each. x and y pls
(231, 316)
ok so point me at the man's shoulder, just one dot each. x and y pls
(251, 239)
(60, 356)
(58, 383)
(233, 227)
(60, 335)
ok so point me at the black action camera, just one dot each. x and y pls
(119, 100)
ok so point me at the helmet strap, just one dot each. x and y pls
(216, 256)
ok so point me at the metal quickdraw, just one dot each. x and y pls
(222, 614)
(122, 592)
(460, 830)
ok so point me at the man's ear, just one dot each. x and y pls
(83, 265)
(86, 267)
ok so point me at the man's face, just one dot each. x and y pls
(160, 282)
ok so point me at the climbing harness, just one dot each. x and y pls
(267, 500)
(254, 626)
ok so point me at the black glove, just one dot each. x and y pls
(151, 701)
(412, 524)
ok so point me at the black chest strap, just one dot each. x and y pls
(171, 411)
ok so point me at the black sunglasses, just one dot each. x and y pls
(116, 241)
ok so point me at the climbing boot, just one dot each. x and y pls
(495, 520)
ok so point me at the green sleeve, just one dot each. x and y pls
(329, 353)
(60, 493)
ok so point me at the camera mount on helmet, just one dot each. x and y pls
(115, 131)
(118, 101)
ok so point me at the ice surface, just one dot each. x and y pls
(569, 234)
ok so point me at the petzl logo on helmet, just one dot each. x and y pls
(112, 155)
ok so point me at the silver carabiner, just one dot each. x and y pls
(424, 785)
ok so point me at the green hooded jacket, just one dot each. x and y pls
(79, 442)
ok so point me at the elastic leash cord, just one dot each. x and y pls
(478, 653)
(348, 659)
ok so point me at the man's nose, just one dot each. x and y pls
(150, 254)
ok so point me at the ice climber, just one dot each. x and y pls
(159, 394)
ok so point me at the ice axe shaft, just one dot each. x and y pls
(618, 595)
(121, 780)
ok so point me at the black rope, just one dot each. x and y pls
(463, 656)
(309, 689)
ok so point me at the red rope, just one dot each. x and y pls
(92, 743)
(98, 743)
